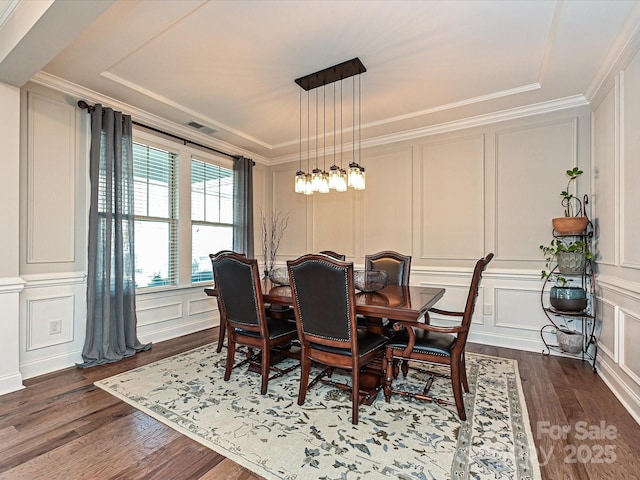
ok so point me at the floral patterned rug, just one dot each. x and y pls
(277, 439)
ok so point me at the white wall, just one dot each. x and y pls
(10, 283)
(616, 170)
(447, 200)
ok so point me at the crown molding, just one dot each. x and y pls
(142, 116)
(477, 121)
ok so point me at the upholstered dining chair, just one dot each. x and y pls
(333, 254)
(435, 345)
(397, 266)
(240, 298)
(324, 305)
(222, 329)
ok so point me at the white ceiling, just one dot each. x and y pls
(231, 65)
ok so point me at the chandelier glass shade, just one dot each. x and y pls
(316, 178)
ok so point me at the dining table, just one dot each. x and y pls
(393, 302)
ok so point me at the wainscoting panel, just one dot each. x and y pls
(452, 173)
(286, 201)
(607, 329)
(530, 174)
(519, 308)
(158, 312)
(49, 321)
(199, 306)
(386, 213)
(334, 222)
(51, 176)
(603, 203)
(629, 333)
(629, 165)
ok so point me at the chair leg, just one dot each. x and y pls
(266, 361)
(457, 388)
(405, 368)
(355, 394)
(305, 367)
(221, 335)
(463, 374)
(231, 353)
(387, 368)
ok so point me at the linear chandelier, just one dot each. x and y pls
(317, 179)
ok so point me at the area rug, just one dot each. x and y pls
(277, 439)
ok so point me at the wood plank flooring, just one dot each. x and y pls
(62, 427)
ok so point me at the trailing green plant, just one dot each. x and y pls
(551, 251)
(571, 203)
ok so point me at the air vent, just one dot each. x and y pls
(202, 128)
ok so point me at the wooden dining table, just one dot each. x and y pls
(396, 302)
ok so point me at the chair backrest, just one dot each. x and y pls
(239, 290)
(333, 254)
(481, 266)
(212, 256)
(324, 303)
(397, 266)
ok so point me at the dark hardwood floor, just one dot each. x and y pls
(61, 426)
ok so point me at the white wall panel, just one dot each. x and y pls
(51, 180)
(607, 329)
(452, 199)
(41, 313)
(630, 165)
(386, 202)
(629, 334)
(201, 305)
(604, 177)
(519, 308)
(150, 313)
(286, 201)
(530, 174)
(334, 222)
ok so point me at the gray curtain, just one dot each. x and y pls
(243, 206)
(111, 310)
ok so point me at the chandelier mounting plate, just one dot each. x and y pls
(332, 74)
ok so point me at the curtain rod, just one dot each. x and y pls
(84, 105)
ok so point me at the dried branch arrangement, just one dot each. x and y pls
(271, 236)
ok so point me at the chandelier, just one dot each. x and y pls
(337, 178)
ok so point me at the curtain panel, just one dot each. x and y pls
(243, 206)
(111, 332)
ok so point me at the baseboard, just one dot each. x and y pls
(622, 392)
(157, 333)
(11, 383)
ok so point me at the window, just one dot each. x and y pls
(156, 217)
(211, 215)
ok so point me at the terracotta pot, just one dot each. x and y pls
(568, 225)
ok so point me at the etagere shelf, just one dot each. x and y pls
(578, 323)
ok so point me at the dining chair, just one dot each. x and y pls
(240, 299)
(397, 266)
(222, 329)
(324, 305)
(435, 345)
(333, 254)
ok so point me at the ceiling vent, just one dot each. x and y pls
(202, 128)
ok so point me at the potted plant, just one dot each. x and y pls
(574, 220)
(562, 258)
